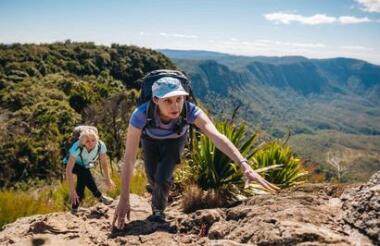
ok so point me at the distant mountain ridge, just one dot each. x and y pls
(304, 79)
(202, 55)
(292, 70)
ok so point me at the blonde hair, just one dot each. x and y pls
(86, 133)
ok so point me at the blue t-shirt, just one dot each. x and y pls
(88, 157)
(162, 130)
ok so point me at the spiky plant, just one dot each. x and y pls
(212, 168)
(215, 179)
(214, 173)
(291, 171)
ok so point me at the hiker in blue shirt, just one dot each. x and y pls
(162, 146)
(83, 154)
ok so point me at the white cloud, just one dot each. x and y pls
(353, 20)
(254, 44)
(177, 35)
(284, 18)
(370, 5)
(290, 44)
(356, 47)
(309, 45)
(265, 45)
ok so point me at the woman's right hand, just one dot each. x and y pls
(123, 208)
(74, 197)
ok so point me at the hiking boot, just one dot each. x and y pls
(157, 216)
(105, 199)
(74, 208)
(149, 188)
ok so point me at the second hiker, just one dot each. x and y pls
(82, 155)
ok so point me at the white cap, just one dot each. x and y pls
(168, 87)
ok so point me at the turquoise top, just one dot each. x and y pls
(88, 157)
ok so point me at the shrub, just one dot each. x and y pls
(273, 153)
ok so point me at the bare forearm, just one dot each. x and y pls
(126, 175)
(227, 147)
(131, 147)
(70, 179)
(221, 141)
(105, 166)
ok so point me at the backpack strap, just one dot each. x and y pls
(99, 147)
(98, 155)
(191, 95)
(150, 109)
(80, 153)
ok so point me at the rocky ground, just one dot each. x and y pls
(312, 214)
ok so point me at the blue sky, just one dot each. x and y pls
(315, 29)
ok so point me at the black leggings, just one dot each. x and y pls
(160, 159)
(84, 178)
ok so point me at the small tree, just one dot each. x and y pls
(340, 161)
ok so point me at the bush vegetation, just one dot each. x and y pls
(47, 89)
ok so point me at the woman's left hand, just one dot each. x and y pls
(110, 184)
(251, 176)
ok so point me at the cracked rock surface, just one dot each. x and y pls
(312, 214)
